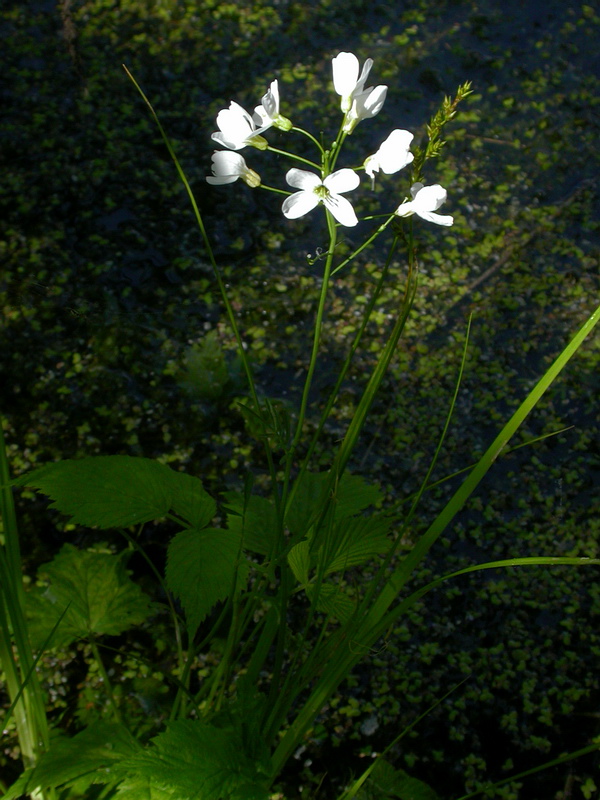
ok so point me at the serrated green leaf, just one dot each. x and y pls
(189, 498)
(308, 499)
(82, 760)
(357, 541)
(94, 588)
(332, 600)
(243, 712)
(257, 518)
(385, 781)
(352, 495)
(137, 788)
(119, 491)
(201, 567)
(299, 561)
(193, 760)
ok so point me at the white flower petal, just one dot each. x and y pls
(223, 140)
(405, 210)
(268, 111)
(299, 204)
(372, 166)
(236, 127)
(225, 162)
(345, 75)
(270, 100)
(344, 180)
(221, 180)
(438, 219)
(429, 198)
(360, 83)
(226, 167)
(394, 154)
(426, 200)
(341, 209)
(302, 179)
(369, 103)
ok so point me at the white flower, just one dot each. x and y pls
(237, 129)
(227, 167)
(357, 102)
(267, 113)
(346, 80)
(364, 106)
(426, 200)
(393, 155)
(313, 191)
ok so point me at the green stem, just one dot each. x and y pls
(106, 680)
(16, 656)
(365, 244)
(274, 189)
(220, 282)
(293, 156)
(344, 370)
(344, 652)
(314, 353)
(310, 136)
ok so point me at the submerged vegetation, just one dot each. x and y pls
(115, 343)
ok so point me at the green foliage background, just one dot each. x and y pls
(107, 297)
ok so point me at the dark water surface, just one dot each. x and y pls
(104, 285)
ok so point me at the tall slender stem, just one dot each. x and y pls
(220, 282)
(314, 353)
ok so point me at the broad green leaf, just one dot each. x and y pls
(119, 491)
(299, 561)
(351, 496)
(332, 600)
(94, 588)
(141, 789)
(385, 781)
(358, 540)
(309, 497)
(258, 520)
(83, 760)
(193, 760)
(189, 499)
(243, 713)
(201, 568)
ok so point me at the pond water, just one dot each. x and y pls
(105, 285)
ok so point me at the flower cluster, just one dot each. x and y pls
(239, 129)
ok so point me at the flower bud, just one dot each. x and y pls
(251, 178)
(259, 142)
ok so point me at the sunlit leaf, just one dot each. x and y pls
(96, 591)
(81, 761)
(192, 760)
(299, 561)
(357, 541)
